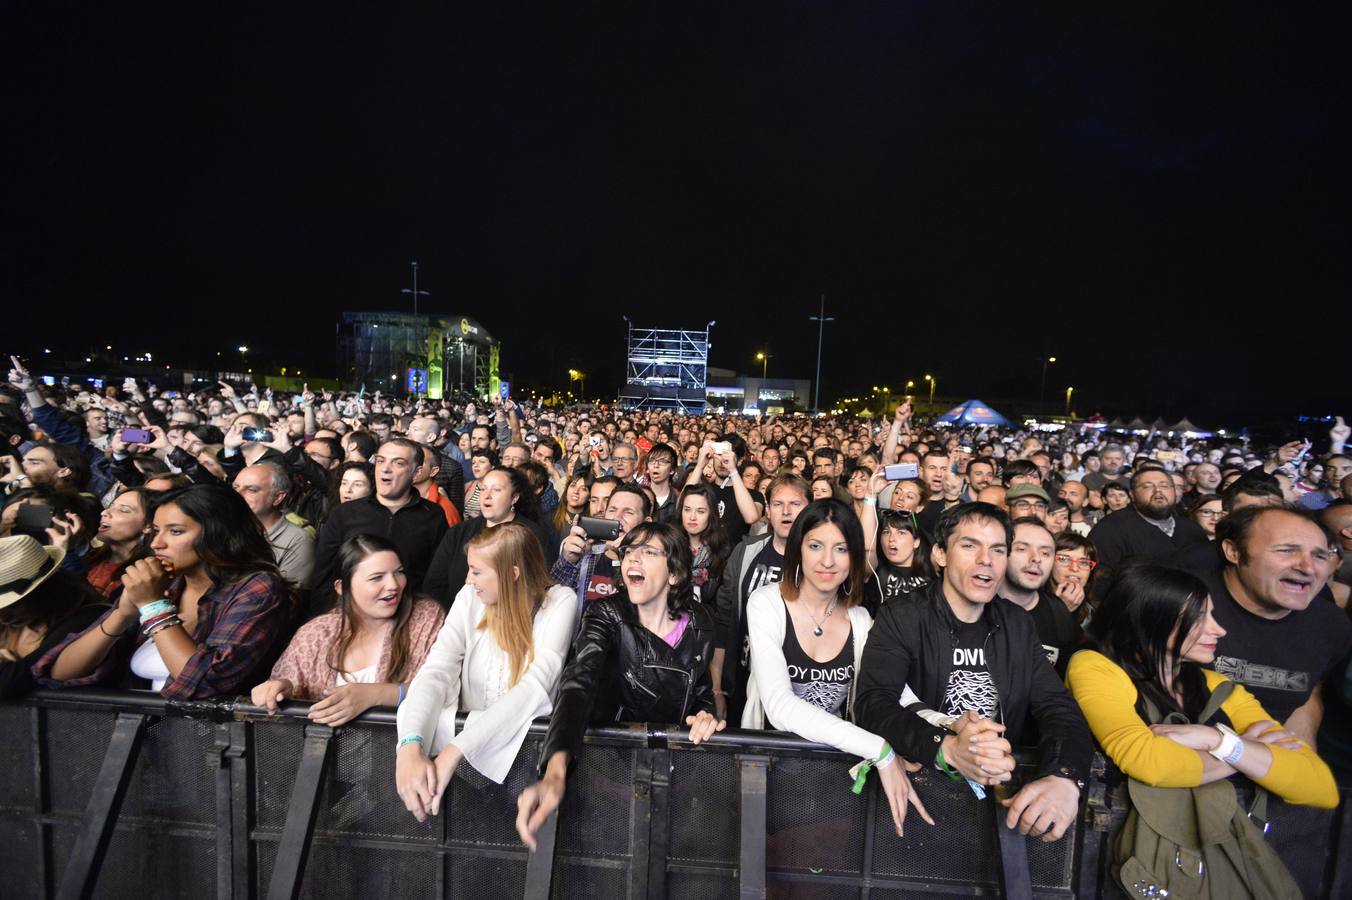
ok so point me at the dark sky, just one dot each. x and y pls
(1159, 201)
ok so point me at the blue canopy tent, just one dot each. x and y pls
(972, 412)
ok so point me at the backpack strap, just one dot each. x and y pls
(1213, 703)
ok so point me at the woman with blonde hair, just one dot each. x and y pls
(498, 657)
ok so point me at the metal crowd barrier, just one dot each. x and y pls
(117, 794)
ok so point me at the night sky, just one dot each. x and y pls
(1158, 197)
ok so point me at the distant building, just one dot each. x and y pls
(735, 392)
(401, 353)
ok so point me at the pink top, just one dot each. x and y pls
(673, 637)
(306, 661)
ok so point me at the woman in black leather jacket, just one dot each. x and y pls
(642, 655)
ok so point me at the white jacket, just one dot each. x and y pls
(770, 694)
(467, 670)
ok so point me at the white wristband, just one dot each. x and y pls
(1231, 747)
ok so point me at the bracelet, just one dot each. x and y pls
(945, 767)
(162, 626)
(147, 625)
(156, 608)
(411, 739)
(120, 634)
(1231, 747)
(888, 758)
(870, 501)
(859, 772)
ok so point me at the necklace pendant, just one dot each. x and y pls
(817, 631)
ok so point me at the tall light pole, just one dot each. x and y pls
(1042, 391)
(581, 378)
(415, 292)
(933, 384)
(1069, 391)
(821, 321)
(764, 359)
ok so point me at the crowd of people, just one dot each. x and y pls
(913, 595)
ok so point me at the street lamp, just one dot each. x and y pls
(764, 359)
(821, 321)
(933, 383)
(1069, 391)
(1042, 391)
(415, 292)
(581, 378)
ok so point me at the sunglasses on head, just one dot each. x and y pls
(901, 517)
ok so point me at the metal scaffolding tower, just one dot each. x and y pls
(667, 369)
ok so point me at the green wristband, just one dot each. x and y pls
(945, 767)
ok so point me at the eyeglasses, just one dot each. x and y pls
(1028, 504)
(1076, 563)
(648, 551)
(615, 458)
(1210, 513)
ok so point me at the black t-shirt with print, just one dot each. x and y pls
(734, 525)
(970, 685)
(826, 685)
(1057, 630)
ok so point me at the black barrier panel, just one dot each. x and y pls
(646, 815)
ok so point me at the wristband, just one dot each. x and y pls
(945, 767)
(162, 625)
(401, 694)
(870, 501)
(1231, 747)
(859, 772)
(411, 739)
(156, 608)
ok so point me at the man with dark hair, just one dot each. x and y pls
(1076, 496)
(826, 462)
(758, 560)
(1280, 641)
(1021, 471)
(658, 469)
(1336, 468)
(395, 510)
(591, 567)
(450, 478)
(1149, 532)
(970, 672)
(1025, 585)
(980, 474)
(1111, 458)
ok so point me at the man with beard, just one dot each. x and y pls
(1030, 568)
(1112, 457)
(1148, 532)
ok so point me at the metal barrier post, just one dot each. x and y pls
(660, 824)
(540, 864)
(294, 846)
(104, 804)
(752, 777)
(232, 843)
(640, 825)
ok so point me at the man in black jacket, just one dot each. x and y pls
(395, 511)
(972, 670)
(1148, 532)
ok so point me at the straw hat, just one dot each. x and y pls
(25, 564)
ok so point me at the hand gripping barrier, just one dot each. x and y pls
(123, 794)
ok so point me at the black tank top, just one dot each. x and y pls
(824, 685)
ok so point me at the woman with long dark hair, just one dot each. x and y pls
(201, 618)
(697, 508)
(364, 651)
(124, 537)
(642, 655)
(1155, 636)
(807, 635)
(498, 657)
(573, 502)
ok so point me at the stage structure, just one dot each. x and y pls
(667, 369)
(426, 355)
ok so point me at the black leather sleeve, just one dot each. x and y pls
(593, 650)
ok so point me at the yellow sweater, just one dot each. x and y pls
(1107, 698)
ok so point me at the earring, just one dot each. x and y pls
(798, 575)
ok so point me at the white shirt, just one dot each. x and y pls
(361, 676)
(147, 663)
(467, 670)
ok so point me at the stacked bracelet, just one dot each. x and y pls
(860, 771)
(156, 608)
(160, 624)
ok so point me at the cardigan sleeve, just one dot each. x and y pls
(783, 709)
(1297, 776)
(492, 737)
(434, 694)
(305, 659)
(1108, 699)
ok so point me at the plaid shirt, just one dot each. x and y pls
(238, 629)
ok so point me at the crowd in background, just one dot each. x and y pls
(914, 595)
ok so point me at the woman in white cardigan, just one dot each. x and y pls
(807, 635)
(498, 657)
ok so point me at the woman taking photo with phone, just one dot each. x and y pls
(807, 636)
(642, 655)
(201, 618)
(364, 651)
(498, 657)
